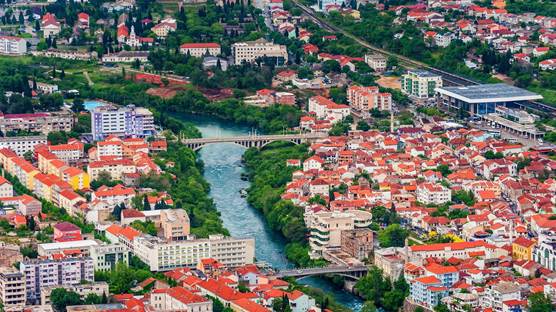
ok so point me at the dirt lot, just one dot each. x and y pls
(389, 82)
(165, 92)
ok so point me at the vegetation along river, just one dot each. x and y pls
(223, 171)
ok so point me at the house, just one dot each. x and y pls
(549, 64)
(522, 248)
(65, 231)
(83, 20)
(164, 27)
(50, 26)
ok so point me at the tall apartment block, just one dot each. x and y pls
(44, 273)
(121, 121)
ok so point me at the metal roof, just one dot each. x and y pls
(491, 93)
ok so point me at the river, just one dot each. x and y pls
(223, 171)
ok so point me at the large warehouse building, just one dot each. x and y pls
(483, 99)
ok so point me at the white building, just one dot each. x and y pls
(325, 228)
(46, 88)
(201, 49)
(420, 83)
(250, 51)
(45, 273)
(376, 61)
(179, 299)
(105, 257)
(97, 288)
(545, 250)
(23, 144)
(432, 193)
(326, 109)
(499, 293)
(163, 255)
(12, 45)
(121, 121)
(126, 57)
(84, 247)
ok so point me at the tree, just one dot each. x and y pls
(441, 308)
(94, 299)
(62, 74)
(363, 125)
(538, 302)
(61, 298)
(369, 306)
(392, 236)
(493, 155)
(373, 286)
(31, 224)
(78, 105)
(118, 211)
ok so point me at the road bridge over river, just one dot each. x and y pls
(258, 141)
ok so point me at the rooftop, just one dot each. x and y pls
(493, 93)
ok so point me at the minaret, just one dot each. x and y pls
(391, 122)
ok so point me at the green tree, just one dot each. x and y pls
(363, 125)
(61, 298)
(78, 105)
(393, 235)
(538, 302)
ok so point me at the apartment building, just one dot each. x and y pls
(364, 99)
(105, 257)
(121, 121)
(420, 83)
(376, 61)
(201, 49)
(113, 196)
(179, 299)
(432, 193)
(9, 254)
(83, 246)
(22, 144)
(163, 255)
(24, 204)
(37, 122)
(326, 227)
(116, 168)
(12, 45)
(6, 188)
(12, 289)
(41, 273)
(418, 253)
(83, 290)
(174, 224)
(427, 291)
(497, 294)
(325, 108)
(250, 51)
(70, 152)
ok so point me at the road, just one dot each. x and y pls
(448, 78)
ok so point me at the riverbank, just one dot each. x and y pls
(223, 171)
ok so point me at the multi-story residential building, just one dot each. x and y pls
(163, 255)
(83, 290)
(9, 254)
(420, 83)
(201, 49)
(12, 45)
(174, 224)
(12, 289)
(364, 99)
(448, 275)
(105, 257)
(116, 168)
(325, 108)
(250, 51)
(122, 121)
(326, 227)
(357, 243)
(432, 193)
(37, 122)
(22, 144)
(544, 252)
(179, 299)
(497, 294)
(522, 248)
(70, 152)
(46, 88)
(42, 273)
(24, 204)
(50, 25)
(113, 196)
(6, 188)
(376, 61)
(427, 291)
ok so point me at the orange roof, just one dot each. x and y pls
(440, 269)
(249, 306)
(447, 246)
(129, 233)
(428, 280)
